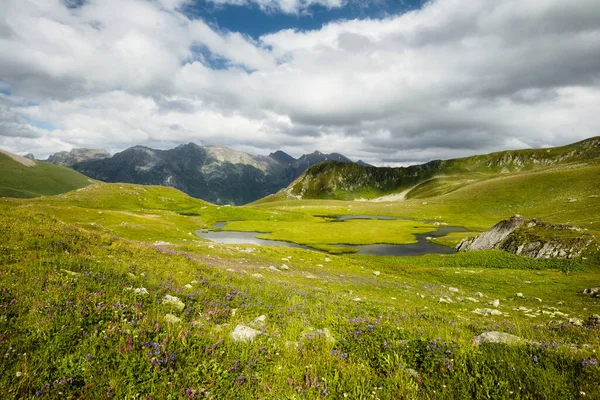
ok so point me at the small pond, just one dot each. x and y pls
(423, 246)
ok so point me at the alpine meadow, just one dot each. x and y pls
(177, 236)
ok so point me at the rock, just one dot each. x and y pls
(594, 292)
(257, 275)
(537, 299)
(188, 287)
(497, 337)
(479, 294)
(243, 333)
(519, 295)
(412, 372)
(172, 319)
(319, 265)
(471, 299)
(72, 273)
(259, 322)
(274, 269)
(376, 273)
(140, 290)
(453, 289)
(576, 321)
(445, 300)
(495, 303)
(174, 301)
(517, 237)
(491, 238)
(284, 267)
(487, 311)
(327, 259)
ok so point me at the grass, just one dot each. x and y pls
(320, 231)
(73, 326)
(43, 179)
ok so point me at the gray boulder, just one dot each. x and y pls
(497, 337)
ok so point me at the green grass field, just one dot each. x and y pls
(73, 325)
(43, 179)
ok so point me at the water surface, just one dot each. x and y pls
(423, 246)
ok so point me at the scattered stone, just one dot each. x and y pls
(412, 372)
(243, 333)
(519, 295)
(141, 290)
(284, 267)
(495, 303)
(259, 322)
(174, 301)
(487, 311)
(188, 287)
(453, 289)
(497, 337)
(233, 311)
(72, 273)
(445, 300)
(327, 259)
(356, 299)
(310, 276)
(274, 269)
(473, 300)
(257, 275)
(576, 321)
(319, 265)
(376, 273)
(479, 294)
(538, 299)
(594, 292)
(172, 319)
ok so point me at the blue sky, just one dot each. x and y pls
(388, 82)
(251, 20)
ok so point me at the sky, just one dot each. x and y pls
(391, 82)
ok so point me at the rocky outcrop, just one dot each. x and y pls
(70, 158)
(533, 238)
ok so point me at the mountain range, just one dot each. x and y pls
(216, 174)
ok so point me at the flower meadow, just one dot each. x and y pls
(91, 315)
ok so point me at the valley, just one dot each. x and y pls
(113, 290)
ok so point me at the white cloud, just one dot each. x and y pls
(284, 6)
(454, 78)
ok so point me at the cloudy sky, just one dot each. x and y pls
(387, 81)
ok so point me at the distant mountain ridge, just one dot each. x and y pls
(351, 181)
(70, 158)
(215, 173)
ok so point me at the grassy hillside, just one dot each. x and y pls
(84, 277)
(42, 179)
(74, 326)
(348, 182)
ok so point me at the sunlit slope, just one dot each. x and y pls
(39, 179)
(559, 195)
(348, 182)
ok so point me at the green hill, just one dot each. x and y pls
(21, 177)
(351, 181)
